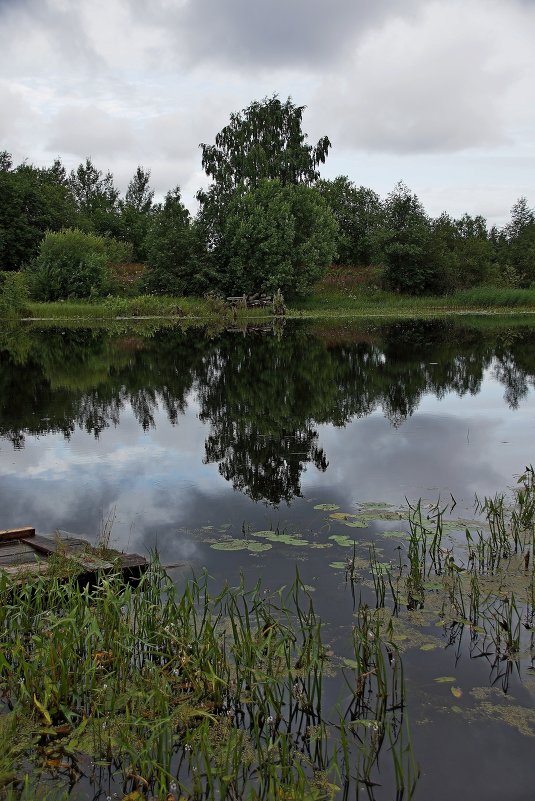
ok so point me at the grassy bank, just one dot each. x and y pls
(343, 292)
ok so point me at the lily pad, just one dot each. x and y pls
(456, 692)
(445, 679)
(327, 507)
(429, 646)
(338, 565)
(241, 545)
(343, 540)
(396, 534)
(285, 539)
(342, 516)
(375, 505)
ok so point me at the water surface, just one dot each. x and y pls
(189, 437)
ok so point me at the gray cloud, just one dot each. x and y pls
(279, 33)
(434, 86)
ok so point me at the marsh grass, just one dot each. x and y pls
(176, 691)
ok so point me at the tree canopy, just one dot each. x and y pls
(265, 140)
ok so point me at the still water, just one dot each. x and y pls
(195, 438)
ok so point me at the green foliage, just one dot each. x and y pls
(135, 212)
(264, 141)
(358, 213)
(462, 251)
(518, 243)
(276, 237)
(74, 264)
(406, 243)
(174, 265)
(97, 199)
(32, 201)
(13, 294)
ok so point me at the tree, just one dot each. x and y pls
(96, 199)
(358, 213)
(262, 141)
(519, 251)
(406, 243)
(276, 237)
(461, 251)
(136, 212)
(32, 201)
(173, 265)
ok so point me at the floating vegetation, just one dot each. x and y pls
(342, 540)
(241, 545)
(327, 507)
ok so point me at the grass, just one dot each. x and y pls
(343, 292)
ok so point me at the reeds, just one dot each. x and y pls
(180, 692)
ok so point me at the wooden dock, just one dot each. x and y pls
(23, 553)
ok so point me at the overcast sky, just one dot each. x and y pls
(438, 93)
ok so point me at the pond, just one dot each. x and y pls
(302, 446)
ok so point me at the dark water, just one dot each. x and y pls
(186, 437)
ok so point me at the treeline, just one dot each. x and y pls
(267, 221)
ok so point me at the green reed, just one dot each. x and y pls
(177, 691)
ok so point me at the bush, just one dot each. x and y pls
(13, 294)
(74, 264)
(276, 237)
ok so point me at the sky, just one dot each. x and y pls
(437, 93)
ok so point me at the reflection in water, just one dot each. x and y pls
(262, 395)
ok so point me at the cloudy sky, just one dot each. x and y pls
(438, 93)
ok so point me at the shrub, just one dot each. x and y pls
(74, 264)
(13, 294)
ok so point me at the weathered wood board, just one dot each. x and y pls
(23, 552)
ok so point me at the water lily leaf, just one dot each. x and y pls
(456, 692)
(342, 516)
(321, 545)
(375, 505)
(241, 545)
(343, 540)
(338, 565)
(428, 646)
(326, 507)
(284, 539)
(351, 663)
(403, 535)
(354, 523)
(445, 679)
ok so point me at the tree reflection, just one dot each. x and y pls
(263, 396)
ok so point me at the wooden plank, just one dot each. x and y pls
(28, 567)
(16, 533)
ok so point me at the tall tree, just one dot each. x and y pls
(96, 198)
(264, 140)
(172, 263)
(406, 243)
(136, 212)
(519, 253)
